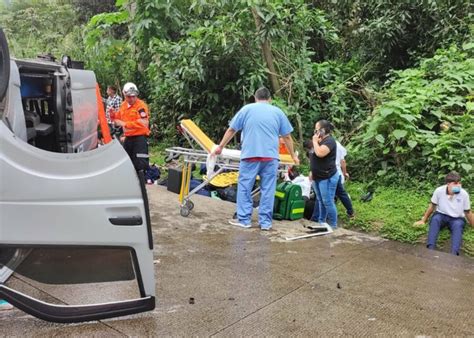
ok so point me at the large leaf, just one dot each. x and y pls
(380, 138)
(399, 133)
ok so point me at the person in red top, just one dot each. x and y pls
(134, 118)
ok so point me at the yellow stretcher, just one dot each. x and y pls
(228, 160)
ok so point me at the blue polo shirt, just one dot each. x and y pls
(261, 124)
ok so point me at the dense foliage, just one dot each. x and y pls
(395, 77)
(424, 126)
(40, 27)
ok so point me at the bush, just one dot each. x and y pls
(423, 128)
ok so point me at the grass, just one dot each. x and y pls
(158, 155)
(390, 214)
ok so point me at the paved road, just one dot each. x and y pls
(216, 279)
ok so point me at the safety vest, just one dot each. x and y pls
(131, 116)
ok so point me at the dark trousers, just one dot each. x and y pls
(342, 195)
(455, 226)
(137, 148)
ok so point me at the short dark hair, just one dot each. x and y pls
(453, 176)
(114, 88)
(328, 126)
(262, 93)
(308, 144)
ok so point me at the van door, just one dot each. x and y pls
(75, 233)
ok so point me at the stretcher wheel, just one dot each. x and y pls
(184, 211)
(190, 205)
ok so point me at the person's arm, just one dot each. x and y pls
(225, 139)
(320, 150)
(426, 216)
(138, 123)
(344, 169)
(289, 145)
(470, 217)
(133, 124)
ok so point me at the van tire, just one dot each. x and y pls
(4, 65)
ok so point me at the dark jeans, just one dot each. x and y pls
(455, 226)
(137, 148)
(342, 195)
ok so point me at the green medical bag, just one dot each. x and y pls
(289, 203)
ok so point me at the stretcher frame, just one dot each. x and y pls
(194, 135)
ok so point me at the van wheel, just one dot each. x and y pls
(4, 65)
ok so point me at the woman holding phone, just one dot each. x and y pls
(324, 171)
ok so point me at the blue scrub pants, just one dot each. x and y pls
(248, 171)
(455, 226)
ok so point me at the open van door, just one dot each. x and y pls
(75, 232)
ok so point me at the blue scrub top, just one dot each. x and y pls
(261, 124)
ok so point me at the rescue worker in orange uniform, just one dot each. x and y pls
(134, 118)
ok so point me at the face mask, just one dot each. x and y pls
(456, 190)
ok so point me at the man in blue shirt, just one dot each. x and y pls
(261, 124)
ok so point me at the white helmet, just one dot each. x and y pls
(130, 89)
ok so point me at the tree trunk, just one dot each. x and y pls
(267, 55)
(132, 10)
(300, 128)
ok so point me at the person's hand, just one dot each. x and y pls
(119, 123)
(217, 151)
(419, 223)
(317, 138)
(122, 139)
(346, 175)
(296, 159)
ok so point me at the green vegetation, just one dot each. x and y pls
(424, 126)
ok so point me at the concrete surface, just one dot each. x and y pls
(245, 282)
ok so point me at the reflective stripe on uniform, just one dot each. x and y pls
(143, 155)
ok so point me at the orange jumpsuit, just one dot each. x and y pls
(135, 144)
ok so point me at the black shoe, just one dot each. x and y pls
(367, 197)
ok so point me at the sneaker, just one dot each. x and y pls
(328, 226)
(314, 225)
(4, 305)
(351, 216)
(237, 223)
(267, 228)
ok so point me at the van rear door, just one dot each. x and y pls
(75, 233)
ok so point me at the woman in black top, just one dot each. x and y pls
(324, 172)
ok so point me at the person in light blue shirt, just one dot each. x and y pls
(261, 124)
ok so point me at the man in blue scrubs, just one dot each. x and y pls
(261, 124)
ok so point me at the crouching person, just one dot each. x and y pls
(450, 204)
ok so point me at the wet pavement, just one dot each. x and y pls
(213, 278)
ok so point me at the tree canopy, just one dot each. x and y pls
(395, 77)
